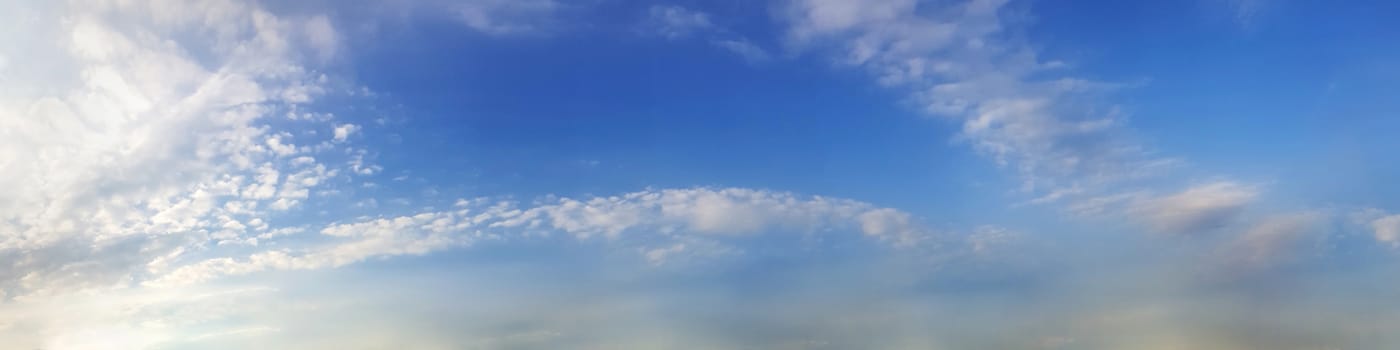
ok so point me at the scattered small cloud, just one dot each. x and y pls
(343, 131)
(1387, 230)
(675, 22)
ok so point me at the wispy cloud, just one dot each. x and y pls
(502, 16)
(1246, 13)
(674, 22)
(1197, 209)
(744, 49)
(1276, 240)
(957, 60)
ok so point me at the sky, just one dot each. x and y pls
(724, 174)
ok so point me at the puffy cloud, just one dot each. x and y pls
(405, 235)
(1387, 230)
(343, 131)
(141, 131)
(731, 211)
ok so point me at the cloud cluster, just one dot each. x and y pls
(165, 143)
(124, 145)
(662, 223)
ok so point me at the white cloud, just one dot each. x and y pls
(1387, 230)
(965, 61)
(692, 221)
(955, 60)
(986, 240)
(503, 17)
(360, 165)
(1196, 209)
(406, 235)
(673, 22)
(658, 255)
(343, 131)
(717, 212)
(322, 36)
(274, 143)
(140, 129)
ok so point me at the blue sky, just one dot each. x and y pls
(788, 174)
